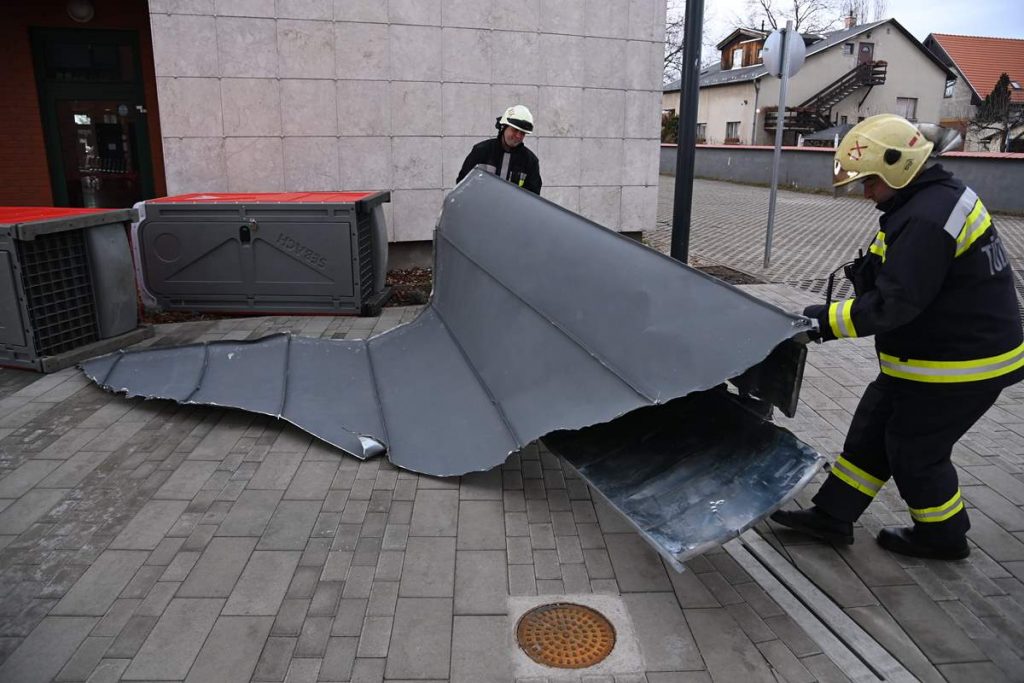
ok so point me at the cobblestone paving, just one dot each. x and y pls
(961, 621)
(813, 233)
(143, 540)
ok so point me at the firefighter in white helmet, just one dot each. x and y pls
(936, 291)
(505, 155)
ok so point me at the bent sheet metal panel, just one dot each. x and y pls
(690, 474)
(540, 320)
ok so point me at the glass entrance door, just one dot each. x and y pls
(100, 154)
(90, 93)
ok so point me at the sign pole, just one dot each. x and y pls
(780, 120)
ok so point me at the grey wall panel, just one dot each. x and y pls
(172, 373)
(523, 356)
(540, 321)
(246, 374)
(331, 393)
(667, 329)
(439, 418)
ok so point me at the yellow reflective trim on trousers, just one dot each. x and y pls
(977, 223)
(839, 318)
(939, 513)
(878, 246)
(945, 372)
(854, 476)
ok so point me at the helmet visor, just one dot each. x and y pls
(521, 124)
(842, 176)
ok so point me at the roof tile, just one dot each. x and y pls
(982, 60)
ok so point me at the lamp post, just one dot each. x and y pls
(686, 151)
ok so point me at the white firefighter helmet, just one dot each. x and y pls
(517, 116)
(885, 145)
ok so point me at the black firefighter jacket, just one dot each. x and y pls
(523, 166)
(936, 290)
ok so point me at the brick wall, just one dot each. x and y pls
(24, 172)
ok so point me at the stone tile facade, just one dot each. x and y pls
(373, 94)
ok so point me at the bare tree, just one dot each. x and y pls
(808, 16)
(866, 11)
(998, 116)
(675, 28)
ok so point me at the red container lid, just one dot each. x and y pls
(12, 215)
(266, 197)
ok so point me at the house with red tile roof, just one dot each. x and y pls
(978, 62)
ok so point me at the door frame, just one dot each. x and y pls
(51, 91)
(860, 53)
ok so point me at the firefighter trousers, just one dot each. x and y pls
(907, 431)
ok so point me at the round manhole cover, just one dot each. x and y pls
(565, 635)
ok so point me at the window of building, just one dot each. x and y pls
(702, 132)
(907, 107)
(847, 49)
(737, 58)
(732, 131)
(843, 120)
(950, 84)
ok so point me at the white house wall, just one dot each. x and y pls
(722, 104)
(959, 105)
(259, 96)
(910, 73)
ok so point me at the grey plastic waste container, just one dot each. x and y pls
(66, 286)
(286, 252)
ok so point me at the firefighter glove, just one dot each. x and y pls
(820, 313)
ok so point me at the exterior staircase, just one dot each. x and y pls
(815, 113)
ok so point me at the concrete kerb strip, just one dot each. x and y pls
(840, 638)
(624, 659)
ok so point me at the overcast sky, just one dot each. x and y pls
(996, 18)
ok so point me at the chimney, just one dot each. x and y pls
(850, 21)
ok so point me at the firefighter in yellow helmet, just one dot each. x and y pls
(505, 155)
(936, 291)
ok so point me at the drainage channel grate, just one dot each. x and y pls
(565, 635)
(841, 639)
(842, 289)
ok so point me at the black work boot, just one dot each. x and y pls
(818, 523)
(906, 541)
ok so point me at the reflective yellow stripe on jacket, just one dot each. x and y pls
(839, 319)
(947, 371)
(939, 513)
(968, 221)
(878, 246)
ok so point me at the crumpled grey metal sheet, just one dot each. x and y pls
(540, 320)
(690, 474)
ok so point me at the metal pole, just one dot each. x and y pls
(686, 151)
(780, 121)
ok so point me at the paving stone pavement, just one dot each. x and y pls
(143, 540)
(812, 235)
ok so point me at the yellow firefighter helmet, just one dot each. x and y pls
(885, 145)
